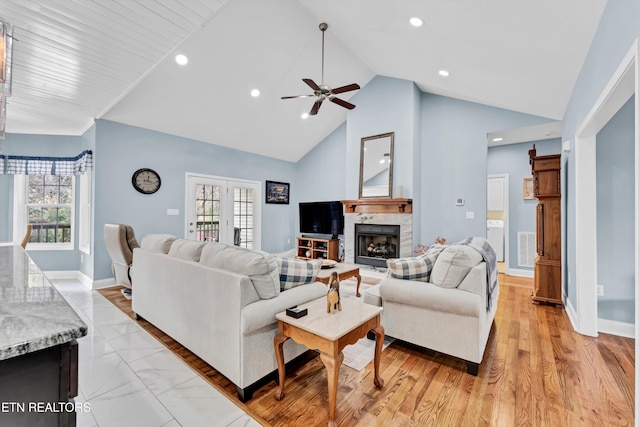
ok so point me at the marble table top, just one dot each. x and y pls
(33, 314)
(332, 326)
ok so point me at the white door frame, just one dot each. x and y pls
(622, 85)
(257, 218)
(505, 202)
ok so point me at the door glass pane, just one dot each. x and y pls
(243, 217)
(207, 213)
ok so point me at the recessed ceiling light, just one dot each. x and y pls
(304, 115)
(181, 59)
(255, 93)
(443, 73)
(498, 139)
(416, 22)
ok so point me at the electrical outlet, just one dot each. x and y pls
(471, 215)
(600, 290)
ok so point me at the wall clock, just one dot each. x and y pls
(146, 181)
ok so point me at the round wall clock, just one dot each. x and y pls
(146, 181)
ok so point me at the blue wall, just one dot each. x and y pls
(513, 159)
(454, 164)
(384, 105)
(615, 215)
(619, 27)
(440, 153)
(122, 149)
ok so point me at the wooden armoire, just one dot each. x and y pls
(548, 262)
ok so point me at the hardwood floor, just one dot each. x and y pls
(536, 372)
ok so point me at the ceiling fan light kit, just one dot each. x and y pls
(322, 91)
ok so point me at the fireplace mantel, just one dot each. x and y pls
(378, 205)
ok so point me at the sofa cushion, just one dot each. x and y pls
(157, 243)
(453, 264)
(413, 268)
(296, 272)
(261, 267)
(188, 250)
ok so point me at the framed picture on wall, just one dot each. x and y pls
(277, 192)
(527, 189)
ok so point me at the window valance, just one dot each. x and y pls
(32, 165)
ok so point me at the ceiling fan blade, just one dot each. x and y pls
(311, 84)
(296, 96)
(347, 88)
(342, 103)
(316, 107)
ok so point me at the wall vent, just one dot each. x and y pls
(526, 248)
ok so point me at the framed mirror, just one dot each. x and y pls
(376, 166)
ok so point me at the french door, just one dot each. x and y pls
(223, 210)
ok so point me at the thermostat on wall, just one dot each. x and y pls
(459, 202)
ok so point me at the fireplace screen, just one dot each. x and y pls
(374, 244)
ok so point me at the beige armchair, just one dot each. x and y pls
(120, 241)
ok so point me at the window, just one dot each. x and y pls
(47, 203)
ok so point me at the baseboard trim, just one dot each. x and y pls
(104, 283)
(613, 327)
(83, 278)
(571, 313)
(518, 272)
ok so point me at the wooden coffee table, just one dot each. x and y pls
(344, 271)
(330, 333)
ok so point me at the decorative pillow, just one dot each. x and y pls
(414, 268)
(261, 267)
(453, 265)
(436, 248)
(158, 243)
(296, 272)
(188, 250)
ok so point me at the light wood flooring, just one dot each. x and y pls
(536, 372)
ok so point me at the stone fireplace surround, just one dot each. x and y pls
(378, 211)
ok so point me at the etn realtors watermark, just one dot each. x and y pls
(43, 407)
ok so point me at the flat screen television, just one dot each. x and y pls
(322, 218)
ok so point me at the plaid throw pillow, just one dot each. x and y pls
(414, 268)
(295, 272)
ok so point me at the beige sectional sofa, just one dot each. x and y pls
(218, 301)
(447, 306)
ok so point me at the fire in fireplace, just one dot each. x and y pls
(375, 243)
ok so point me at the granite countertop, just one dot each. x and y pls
(33, 314)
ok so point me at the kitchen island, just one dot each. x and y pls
(38, 351)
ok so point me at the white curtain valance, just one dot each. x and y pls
(30, 165)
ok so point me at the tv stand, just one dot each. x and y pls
(315, 248)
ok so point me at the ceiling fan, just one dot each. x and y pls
(322, 91)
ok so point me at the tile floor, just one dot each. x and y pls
(129, 379)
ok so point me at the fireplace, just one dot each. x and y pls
(375, 243)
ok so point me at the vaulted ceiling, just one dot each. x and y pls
(75, 61)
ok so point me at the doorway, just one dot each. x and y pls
(498, 218)
(224, 210)
(623, 85)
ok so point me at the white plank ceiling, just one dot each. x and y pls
(74, 59)
(77, 60)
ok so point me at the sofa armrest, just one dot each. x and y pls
(262, 313)
(476, 280)
(430, 297)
